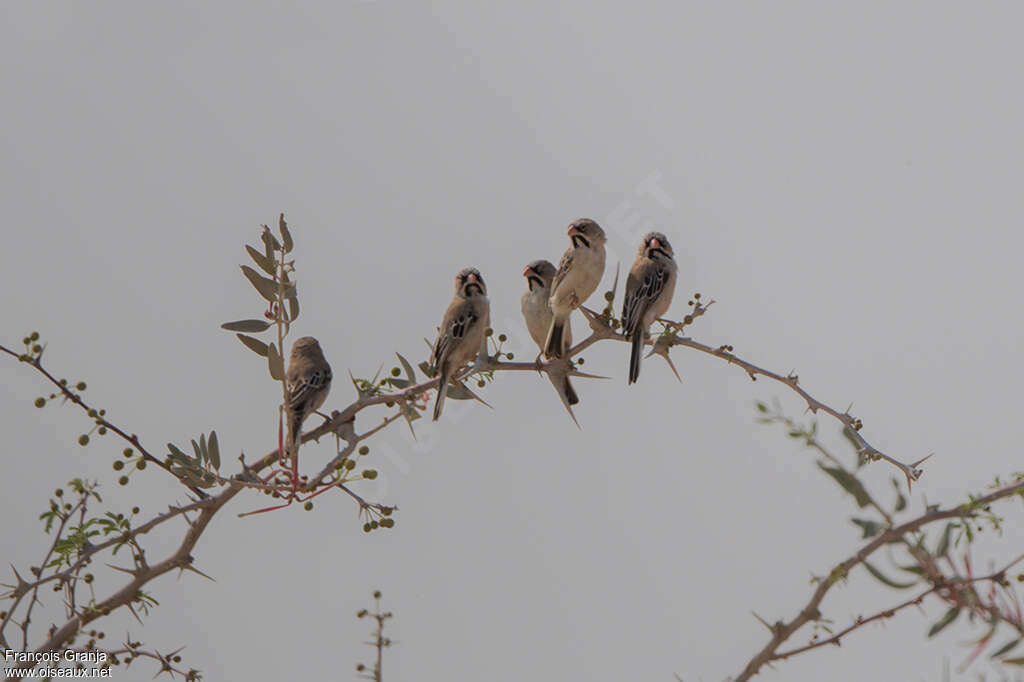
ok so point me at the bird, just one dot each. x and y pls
(308, 381)
(537, 313)
(649, 289)
(461, 334)
(579, 273)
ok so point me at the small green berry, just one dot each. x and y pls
(364, 449)
(80, 386)
(40, 402)
(350, 464)
(509, 356)
(88, 578)
(37, 348)
(366, 528)
(308, 506)
(579, 361)
(93, 413)
(374, 524)
(386, 511)
(387, 523)
(135, 510)
(118, 465)
(59, 492)
(26, 340)
(488, 332)
(83, 440)
(127, 453)
(376, 594)
(609, 296)
(102, 430)
(697, 296)
(502, 338)
(395, 371)
(370, 473)
(123, 480)
(141, 464)
(481, 383)
(34, 336)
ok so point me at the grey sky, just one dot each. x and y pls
(845, 182)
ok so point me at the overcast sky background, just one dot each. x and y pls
(844, 182)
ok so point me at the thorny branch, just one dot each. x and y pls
(782, 631)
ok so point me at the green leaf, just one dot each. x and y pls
(198, 451)
(246, 326)
(1013, 661)
(943, 547)
(205, 450)
(177, 456)
(270, 242)
(1006, 647)
(870, 528)
(913, 568)
(266, 264)
(946, 619)
(267, 288)
(881, 577)
(427, 369)
(849, 483)
(255, 345)
(293, 306)
(400, 383)
(214, 450)
(275, 363)
(761, 407)
(286, 236)
(409, 373)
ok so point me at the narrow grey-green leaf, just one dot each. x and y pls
(204, 449)
(267, 288)
(427, 369)
(870, 528)
(409, 373)
(882, 578)
(1013, 661)
(199, 453)
(400, 383)
(275, 363)
(266, 264)
(913, 568)
(270, 241)
(177, 454)
(849, 483)
(293, 307)
(255, 345)
(943, 547)
(1012, 644)
(946, 619)
(214, 450)
(246, 326)
(286, 236)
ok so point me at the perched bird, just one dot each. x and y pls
(649, 289)
(308, 381)
(461, 334)
(579, 273)
(537, 313)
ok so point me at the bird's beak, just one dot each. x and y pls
(573, 230)
(655, 244)
(471, 277)
(527, 272)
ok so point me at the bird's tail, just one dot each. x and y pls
(636, 353)
(442, 391)
(570, 393)
(553, 345)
